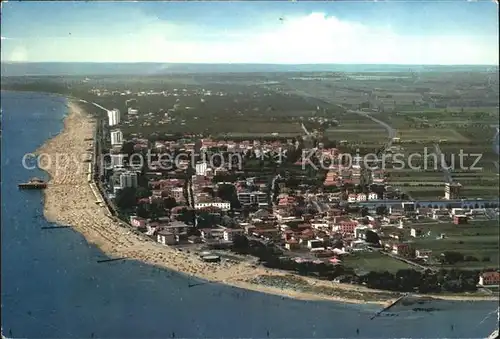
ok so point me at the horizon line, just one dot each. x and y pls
(238, 63)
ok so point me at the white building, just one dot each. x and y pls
(249, 198)
(223, 205)
(361, 197)
(166, 238)
(116, 138)
(128, 179)
(452, 190)
(360, 231)
(372, 196)
(320, 225)
(132, 111)
(114, 117)
(117, 160)
(201, 168)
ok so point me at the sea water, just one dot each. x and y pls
(52, 285)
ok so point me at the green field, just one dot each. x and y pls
(373, 261)
(478, 239)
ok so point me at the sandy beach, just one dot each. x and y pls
(69, 201)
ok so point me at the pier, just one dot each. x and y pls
(54, 227)
(389, 306)
(109, 260)
(33, 183)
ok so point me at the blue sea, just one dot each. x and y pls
(52, 286)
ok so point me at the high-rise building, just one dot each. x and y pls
(201, 168)
(452, 190)
(128, 179)
(116, 138)
(114, 117)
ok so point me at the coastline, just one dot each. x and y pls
(69, 201)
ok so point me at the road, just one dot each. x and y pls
(391, 132)
(442, 163)
(305, 129)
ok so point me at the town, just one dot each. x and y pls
(346, 220)
(256, 171)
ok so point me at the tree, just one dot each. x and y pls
(450, 257)
(364, 212)
(381, 210)
(338, 243)
(228, 193)
(141, 193)
(126, 198)
(240, 242)
(142, 211)
(156, 210)
(186, 215)
(372, 237)
(169, 203)
(127, 148)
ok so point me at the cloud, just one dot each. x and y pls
(19, 54)
(313, 38)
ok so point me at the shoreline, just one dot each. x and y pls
(69, 201)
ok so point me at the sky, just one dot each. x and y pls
(278, 32)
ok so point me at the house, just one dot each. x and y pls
(229, 233)
(402, 249)
(193, 239)
(358, 245)
(457, 211)
(206, 233)
(423, 253)
(267, 234)
(249, 229)
(360, 232)
(391, 219)
(460, 219)
(292, 244)
(320, 225)
(425, 211)
(361, 197)
(138, 222)
(314, 243)
(165, 237)
(440, 214)
(347, 226)
(416, 232)
(351, 198)
(372, 196)
(261, 214)
(396, 235)
(489, 278)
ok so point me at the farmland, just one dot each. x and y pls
(478, 239)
